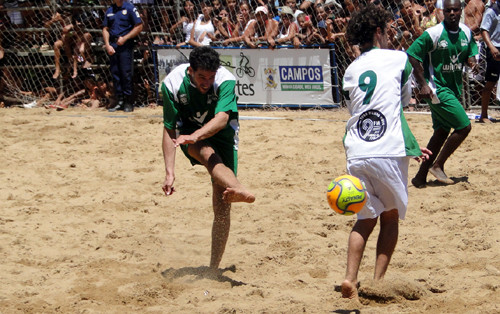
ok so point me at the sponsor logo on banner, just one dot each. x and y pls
(270, 78)
(301, 78)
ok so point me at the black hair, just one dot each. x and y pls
(205, 58)
(364, 23)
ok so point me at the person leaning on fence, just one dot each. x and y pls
(75, 42)
(490, 30)
(244, 20)
(187, 20)
(377, 85)
(287, 29)
(122, 24)
(203, 31)
(443, 49)
(261, 30)
(200, 115)
(308, 34)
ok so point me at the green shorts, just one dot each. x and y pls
(227, 152)
(449, 113)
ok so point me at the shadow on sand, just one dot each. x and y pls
(203, 272)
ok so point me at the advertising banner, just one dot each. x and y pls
(268, 77)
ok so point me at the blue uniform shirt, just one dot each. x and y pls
(491, 25)
(121, 20)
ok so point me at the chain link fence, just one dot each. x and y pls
(53, 49)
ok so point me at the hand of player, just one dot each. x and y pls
(168, 186)
(425, 92)
(425, 154)
(185, 139)
(475, 68)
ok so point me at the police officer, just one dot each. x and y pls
(121, 24)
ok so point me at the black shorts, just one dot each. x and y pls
(492, 67)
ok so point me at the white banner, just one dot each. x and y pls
(269, 77)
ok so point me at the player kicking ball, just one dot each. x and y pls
(200, 116)
(378, 142)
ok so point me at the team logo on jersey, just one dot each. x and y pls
(372, 125)
(464, 42)
(183, 99)
(443, 44)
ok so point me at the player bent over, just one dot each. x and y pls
(200, 115)
(378, 142)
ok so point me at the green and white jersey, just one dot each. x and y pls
(375, 87)
(185, 109)
(444, 54)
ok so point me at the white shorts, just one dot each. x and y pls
(386, 181)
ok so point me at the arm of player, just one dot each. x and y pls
(418, 72)
(208, 130)
(168, 147)
(426, 153)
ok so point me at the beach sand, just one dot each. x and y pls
(86, 228)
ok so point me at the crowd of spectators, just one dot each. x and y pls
(73, 28)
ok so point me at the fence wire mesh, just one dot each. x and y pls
(52, 50)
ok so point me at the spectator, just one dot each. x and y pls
(224, 28)
(244, 20)
(321, 20)
(262, 29)
(203, 31)
(292, 4)
(308, 34)
(76, 44)
(473, 12)
(187, 21)
(490, 30)
(287, 29)
(408, 27)
(232, 10)
(430, 16)
(122, 24)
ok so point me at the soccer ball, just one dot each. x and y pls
(346, 195)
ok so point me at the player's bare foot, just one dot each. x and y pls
(418, 183)
(484, 120)
(440, 175)
(56, 74)
(231, 195)
(348, 290)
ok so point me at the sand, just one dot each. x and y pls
(86, 228)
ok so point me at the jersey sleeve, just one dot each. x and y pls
(421, 46)
(169, 110)
(406, 83)
(135, 16)
(487, 21)
(473, 50)
(227, 97)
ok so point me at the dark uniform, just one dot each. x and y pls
(120, 21)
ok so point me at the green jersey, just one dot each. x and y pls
(444, 54)
(185, 109)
